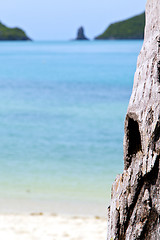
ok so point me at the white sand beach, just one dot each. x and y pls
(24, 219)
(39, 226)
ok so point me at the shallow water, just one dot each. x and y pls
(62, 110)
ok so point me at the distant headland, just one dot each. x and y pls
(12, 34)
(132, 28)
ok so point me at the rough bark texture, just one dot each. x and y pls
(135, 200)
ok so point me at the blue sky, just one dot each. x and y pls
(59, 19)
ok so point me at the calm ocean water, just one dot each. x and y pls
(62, 110)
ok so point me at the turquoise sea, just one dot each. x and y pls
(62, 110)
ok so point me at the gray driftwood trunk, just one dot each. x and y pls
(134, 212)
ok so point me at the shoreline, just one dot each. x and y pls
(23, 219)
(64, 207)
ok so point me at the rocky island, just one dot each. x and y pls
(10, 34)
(81, 34)
(134, 212)
(132, 28)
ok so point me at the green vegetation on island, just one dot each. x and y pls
(7, 33)
(132, 28)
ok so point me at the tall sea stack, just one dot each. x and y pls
(81, 35)
(134, 212)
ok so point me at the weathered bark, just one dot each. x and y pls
(135, 200)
